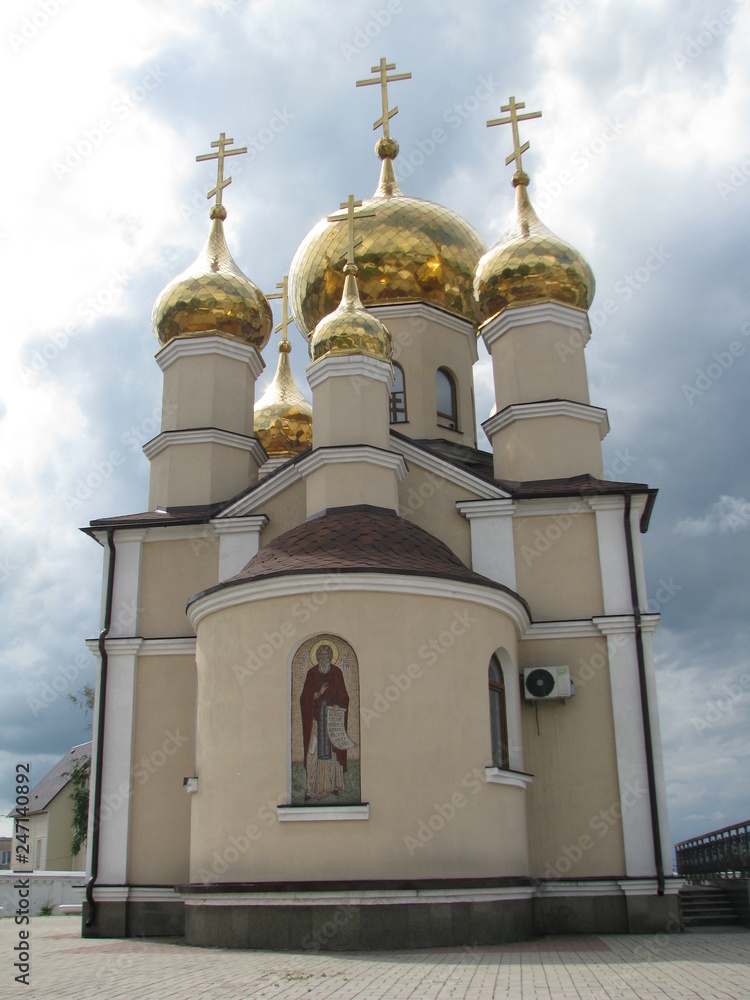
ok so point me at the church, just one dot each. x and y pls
(388, 683)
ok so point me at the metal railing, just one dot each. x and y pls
(719, 854)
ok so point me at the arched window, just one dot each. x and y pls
(398, 396)
(447, 413)
(498, 718)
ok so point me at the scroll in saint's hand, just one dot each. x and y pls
(337, 733)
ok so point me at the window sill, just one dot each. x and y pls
(307, 814)
(499, 776)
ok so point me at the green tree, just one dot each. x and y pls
(79, 778)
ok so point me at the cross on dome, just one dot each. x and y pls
(382, 69)
(350, 205)
(284, 296)
(218, 210)
(513, 119)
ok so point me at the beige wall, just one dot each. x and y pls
(208, 391)
(574, 799)
(185, 474)
(429, 501)
(553, 447)
(537, 362)
(422, 346)
(351, 409)
(557, 565)
(422, 747)
(36, 828)
(171, 573)
(60, 834)
(284, 511)
(344, 484)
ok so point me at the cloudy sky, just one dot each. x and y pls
(642, 161)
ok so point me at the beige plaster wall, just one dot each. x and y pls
(424, 748)
(430, 501)
(538, 362)
(171, 573)
(185, 474)
(36, 825)
(557, 564)
(163, 754)
(575, 829)
(349, 483)
(351, 409)
(60, 834)
(422, 346)
(284, 511)
(208, 391)
(547, 448)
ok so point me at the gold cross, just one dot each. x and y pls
(383, 79)
(222, 142)
(513, 119)
(350, 204)
(284, 296)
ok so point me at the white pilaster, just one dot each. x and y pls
(127, 583)
(492, 551)
(613, 554)
(239, 541)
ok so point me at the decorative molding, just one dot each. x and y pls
(430, 314)
(228, 525)
(485, 508)
(573, 506)
(272, 465)
(359, 897)
(127, 646)
(615, 624)
(543, 312)
(353, 453)
(350, 365)
(580, 887)
(262, 493)
(382, 583)
(205, 435)
(198, 346)
(304, 814)
(545, 409)
(499, 776)
(445, 470)
(616, 502)
(583, 628)
(182, 646)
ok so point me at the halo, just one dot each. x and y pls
(324, 642)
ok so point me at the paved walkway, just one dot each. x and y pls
(692, 966)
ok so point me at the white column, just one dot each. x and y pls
(492, 551)
(117, 761)
(649, 624)
(613, 554)
(239, 541)
(630, 745)
(127, 583)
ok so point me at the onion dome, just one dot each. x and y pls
(283, 417)
(529, 264)
(213, 296)
(411, 251)
(350, 328)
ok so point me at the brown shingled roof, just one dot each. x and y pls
(55, 780)
(356, 539)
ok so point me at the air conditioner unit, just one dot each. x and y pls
(547, 682)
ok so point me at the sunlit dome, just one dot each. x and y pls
(350, 328)
(283, 417)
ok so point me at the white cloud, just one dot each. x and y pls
(728, 514)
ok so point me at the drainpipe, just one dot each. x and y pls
(644, 700)
(100, 729)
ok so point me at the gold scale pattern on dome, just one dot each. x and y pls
(529, 264)
(283, 417)
(411, 250)
(213, 296)
(350, 328)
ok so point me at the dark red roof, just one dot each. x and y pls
(356, 539)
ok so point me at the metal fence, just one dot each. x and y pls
(719, 854)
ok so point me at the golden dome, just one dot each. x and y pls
(213, 296)
(529, 264)
(283, 417)
(351, 329)
(411, 251)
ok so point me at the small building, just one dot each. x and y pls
(47, 831)
(5, 845)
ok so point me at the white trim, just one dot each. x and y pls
(649, 886)
(184, 646)
(581, 887)
(543, 312)
(359, 897)
(263, 493)
(485, 508)
(205, 435)
(582, 629)
(350, 365)
(451, 473)
(543, 507)
(545, 409)
(273, 463)
(353, 453)
(178, 532)
(127, 584)
(125, 646)
(615, 624)
(383, 583)
(492, 546)
(432, 315)
(303, 814)
(196, 346)
(499, 776)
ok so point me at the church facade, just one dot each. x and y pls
(383, 688)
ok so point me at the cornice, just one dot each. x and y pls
(191, 347)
